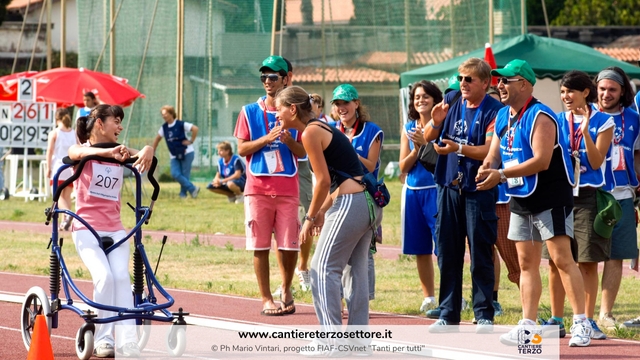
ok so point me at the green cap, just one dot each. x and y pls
(454, 84)
(609, 213)
(274, 63)
(517, 67)
(345, 92)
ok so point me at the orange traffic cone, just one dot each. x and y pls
(40, 348)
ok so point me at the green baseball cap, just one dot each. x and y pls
(609, 213)
(345, 92)
(274, 63)
(453, 84)
(517, 67)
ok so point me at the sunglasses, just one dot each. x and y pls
(271, 77)
(468, 79)
(506, 80)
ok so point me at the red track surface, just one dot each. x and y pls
(221, 307)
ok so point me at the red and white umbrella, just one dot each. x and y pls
(8, 88)
(66, 87)
(489, 58)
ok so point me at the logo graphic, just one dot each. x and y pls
(460, 128)
(359, 148)
(529, 341)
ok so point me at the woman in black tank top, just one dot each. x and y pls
(339, 211)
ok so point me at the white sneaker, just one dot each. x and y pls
(428, 303)
(305, 279)
(515, 335)
(104, 350)
(580, 334)
(131, 350)
(278, 293)
(239, 199)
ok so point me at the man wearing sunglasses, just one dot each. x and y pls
(271, 191)
(463, 126)
(529, 155)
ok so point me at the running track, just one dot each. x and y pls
(219, 307)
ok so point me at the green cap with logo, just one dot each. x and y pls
(274, 63)
(609, 213)
(453, 84)
(345, 92)
(517, 67)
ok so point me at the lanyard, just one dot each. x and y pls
(353, 132)
(576, 136)
(266, 119)
(512, 127)
(475, 117)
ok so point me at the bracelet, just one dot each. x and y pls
(459, 151)
(433, 126)
(307, 217)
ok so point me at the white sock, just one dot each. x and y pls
(579, 318)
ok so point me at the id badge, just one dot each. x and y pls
(576, 177)
(274, 161)
(617, 158)
(513, 182)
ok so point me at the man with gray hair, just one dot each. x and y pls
(615, 98)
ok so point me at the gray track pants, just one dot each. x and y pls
(345, 238)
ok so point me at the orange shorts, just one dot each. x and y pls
(266, 215)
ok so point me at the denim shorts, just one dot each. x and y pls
(541, 226)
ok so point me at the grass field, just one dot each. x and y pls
(228, 270)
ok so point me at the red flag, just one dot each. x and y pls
(489, 58)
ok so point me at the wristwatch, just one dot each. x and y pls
(503, 178)
(459, 151)
(307, 217)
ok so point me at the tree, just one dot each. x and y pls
(599, 13)
(535, 15)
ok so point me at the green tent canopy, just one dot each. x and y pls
(549, 58)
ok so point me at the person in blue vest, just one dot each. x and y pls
(366, 138)
(418, 204)
(530, 155)
(463, 130)
(90, 101)
(271, 194)
(590, 133)
(615, 98)
(231, 176)
(181, 149)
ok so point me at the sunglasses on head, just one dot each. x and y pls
(465, 78)
(506, 80)
(271, 77)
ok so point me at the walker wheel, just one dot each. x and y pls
(144, 332)
(177, 340)
(35, 303)
(84, 341)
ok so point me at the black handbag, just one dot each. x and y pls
(427, 156)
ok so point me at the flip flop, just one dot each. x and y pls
(271, 312)
(289, 308)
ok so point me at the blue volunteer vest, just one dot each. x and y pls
(255, 114)
(227, 170)
(418, 177)
(457, 130)
(362, 142)
(615, 179)
(503, 198)
(588, 175)
(521, 148)
(174, 136)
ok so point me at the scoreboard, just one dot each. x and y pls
(26, 124)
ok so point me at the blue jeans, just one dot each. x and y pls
(181, 171)
(471, 215)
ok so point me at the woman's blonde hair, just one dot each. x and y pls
(225, 145)
(295, 95)
(62, 115)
